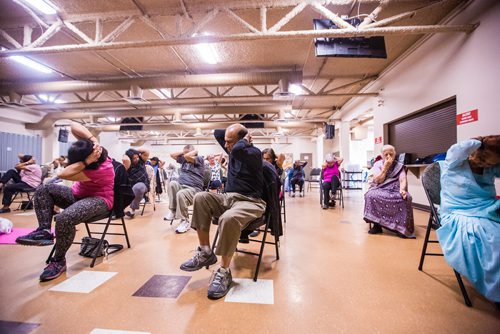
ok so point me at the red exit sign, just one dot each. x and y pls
(467, 117)
(378, 140)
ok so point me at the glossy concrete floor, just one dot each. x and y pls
(332, 277)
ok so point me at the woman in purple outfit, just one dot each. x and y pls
(387, 202)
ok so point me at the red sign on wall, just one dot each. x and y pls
(378, 140)
(467, 117)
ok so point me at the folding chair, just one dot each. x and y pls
(314, 177)
(338, 195)
(96, 220)
(147, 201)
(432, 188)
(270, 220)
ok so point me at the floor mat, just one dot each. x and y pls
(10, 239)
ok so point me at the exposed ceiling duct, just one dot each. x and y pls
(170, 81)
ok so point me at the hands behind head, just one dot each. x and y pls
(248, 138)
(95, 155)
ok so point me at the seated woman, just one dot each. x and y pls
(331, 179)
(26, 174)
(91, 195)
(470, 212)
(296, 176)
(275, 160)
(387, 202)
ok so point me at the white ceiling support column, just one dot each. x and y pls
(27, 33)
(98, 30)
(240, 21)
(118, 30)
(294, 12)
(331, 16)
(345, 138)
(263, 19)
(10, 39)
(53, 29)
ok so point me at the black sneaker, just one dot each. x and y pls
(255, 233)
(376, 229)
(221, 283)
(130, 214)
(53, 270)
(324, 207)
(38, 237)
(4, 210)
(199, 260)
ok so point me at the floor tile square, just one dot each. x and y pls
(164, 286)
(115, 331)
(245, 290)
(83, 282)
(14, 327)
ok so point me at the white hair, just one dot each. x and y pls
(388, 147)
(329, 158)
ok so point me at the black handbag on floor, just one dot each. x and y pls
(92, 247)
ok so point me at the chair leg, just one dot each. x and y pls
(276, 245)
(426, 241)
(125, 232)
(52, 251)
(260, 253)
(143, 207)
(102, 240)
(462, 289)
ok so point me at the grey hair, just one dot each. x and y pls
(388, 147)
(329, 158)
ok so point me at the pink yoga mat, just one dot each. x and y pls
(10, 239)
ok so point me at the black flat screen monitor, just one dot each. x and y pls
(354, 47)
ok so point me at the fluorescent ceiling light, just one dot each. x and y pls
(49, 99)
(44, 6)
(207, 52)
(295, 89)
(30, 63)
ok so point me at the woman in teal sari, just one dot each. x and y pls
(470, 213)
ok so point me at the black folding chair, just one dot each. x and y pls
(146, 202)
(314, 177)
(432, 188)
(98, 221)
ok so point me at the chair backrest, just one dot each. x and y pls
(207, 177)
(431, 180)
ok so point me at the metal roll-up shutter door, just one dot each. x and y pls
(428, 132)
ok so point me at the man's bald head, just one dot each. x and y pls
(234, 133)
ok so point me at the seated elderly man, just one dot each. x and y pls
(26, 174)
(387, 202)
(236, 208)
(181, 192)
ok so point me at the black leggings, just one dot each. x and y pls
(75, 211)
(10, 189)
(327, 186)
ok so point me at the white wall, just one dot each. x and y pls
(446, 65)
(116, 148)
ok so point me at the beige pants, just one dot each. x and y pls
(235, 212)
(180, 197)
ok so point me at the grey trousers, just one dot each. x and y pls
(180, 197)
(235, 212)
(139, 190)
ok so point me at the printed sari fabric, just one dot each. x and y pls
(385, 205)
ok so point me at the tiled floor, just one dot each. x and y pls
(332, 277)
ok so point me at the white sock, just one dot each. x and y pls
(132, 211)
(206, 249)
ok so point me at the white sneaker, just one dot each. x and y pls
(301, 194)
(169, 216)
(183, 227)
